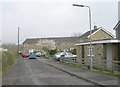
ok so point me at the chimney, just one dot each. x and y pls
(95, 27)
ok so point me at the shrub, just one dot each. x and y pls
(8, 59)
(52, 52)
(4, 61)
(47, 56)
(73, 51)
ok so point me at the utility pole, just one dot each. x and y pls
(18, 41)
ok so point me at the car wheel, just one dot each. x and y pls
(58, 59)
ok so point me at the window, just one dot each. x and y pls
(90, 51)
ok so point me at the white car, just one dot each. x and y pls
(38, 54)
(59, 55)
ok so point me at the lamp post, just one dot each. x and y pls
(90, 31)
(18, 41)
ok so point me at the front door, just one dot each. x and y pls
(109, 56)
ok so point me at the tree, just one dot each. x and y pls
(78, 34)
(48, 44)
(10, 46)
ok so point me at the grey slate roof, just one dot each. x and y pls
(87, 33)
(116, 26)
(63, 39)
(56, 39)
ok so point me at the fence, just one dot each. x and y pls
(97, 64)
(107, 65)
(71, 59)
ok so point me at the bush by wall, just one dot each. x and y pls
(8, 58)
(0, 62)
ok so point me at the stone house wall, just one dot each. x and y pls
(118, 33)
(100, 35)
(97, 52)
(100, 55)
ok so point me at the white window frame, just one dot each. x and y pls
(92, 51)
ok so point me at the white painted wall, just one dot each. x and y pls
(109, 56)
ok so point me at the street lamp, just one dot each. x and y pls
(18, 41)
(90, 31)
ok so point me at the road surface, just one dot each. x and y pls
(34, 72)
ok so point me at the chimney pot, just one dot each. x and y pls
(95, 27)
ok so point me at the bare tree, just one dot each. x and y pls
(78, 34)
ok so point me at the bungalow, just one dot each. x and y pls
(103, 49)
(117, 29)
(103, 53)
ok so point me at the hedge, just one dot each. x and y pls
(8, 59)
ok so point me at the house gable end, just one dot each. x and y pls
(105, 32)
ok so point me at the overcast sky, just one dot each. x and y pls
(50, 18)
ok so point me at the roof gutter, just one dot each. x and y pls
(99, 42)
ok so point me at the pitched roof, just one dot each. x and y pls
(116, 26)
(30, 41)
(56, 39)
(87, 34)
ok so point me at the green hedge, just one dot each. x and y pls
(8, 59)
(0, 62)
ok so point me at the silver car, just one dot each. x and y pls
(59, 55)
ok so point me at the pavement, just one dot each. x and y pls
(0, 79)
(87, 75)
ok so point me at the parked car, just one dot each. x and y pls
(38, 54)
(32, 56)
(24, 55)
(59, 55)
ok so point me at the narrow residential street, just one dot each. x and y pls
(34, 72)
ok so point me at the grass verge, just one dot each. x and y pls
(76, 65)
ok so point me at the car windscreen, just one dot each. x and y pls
(70, 54)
